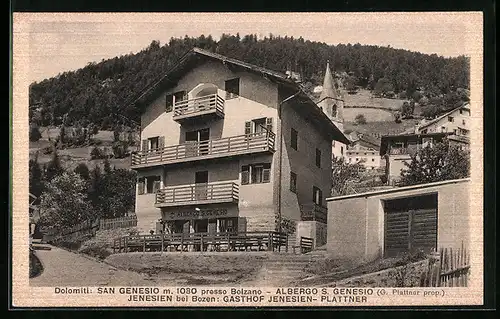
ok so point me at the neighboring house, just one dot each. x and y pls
(331, 102)
(397, 149)
(456, 121)
(400, 220)
(230, 146)
(364, 150)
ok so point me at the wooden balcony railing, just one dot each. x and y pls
(203, 105)
(314, 212)
(191, 151)
(205, 193)
(404, 150)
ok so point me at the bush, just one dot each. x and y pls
(96, 250)
(360, 119)
(35, 134)
(97, 153)
(120, 150)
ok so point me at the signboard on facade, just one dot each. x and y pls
(200, 214)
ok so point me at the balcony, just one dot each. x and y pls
(200, 108)
(313, 212)
(197, 194)
(411, 150)
(195, 151)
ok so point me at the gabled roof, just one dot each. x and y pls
(329, 95)
(463, 106)
(197, 56)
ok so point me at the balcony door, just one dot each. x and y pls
(201, 185)
(197, 142)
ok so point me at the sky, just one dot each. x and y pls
(68, 41)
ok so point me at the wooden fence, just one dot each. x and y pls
(449, 268)
(120, 222)
(88, 227)
(247, 241)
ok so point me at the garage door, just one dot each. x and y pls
(408, 227)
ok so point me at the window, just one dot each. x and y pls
(357, 159)
(261, 125)
(424, 131)
(463, 122)
(366, 153)
(148, 184)
(342, 150)
(293, 182)
(460, 111)
(350, 159)
(228, 225)
(255, 173)
(318, 158)
(443, 129)
(173, 98)
(373, 160)
(232, 88)
(450, 118)
(293, 139)
(317, 196)
(153, 143)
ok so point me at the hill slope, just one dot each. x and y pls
(101, 93)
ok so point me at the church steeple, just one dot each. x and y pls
(330, 100)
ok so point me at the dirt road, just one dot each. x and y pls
(64, 268)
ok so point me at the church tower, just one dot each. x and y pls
(331, 101)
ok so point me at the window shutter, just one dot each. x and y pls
(248, 128)
(161, 142)
(242, 224)
(269, 124)
(244, 175)
(169, 103)
(140, 186)
(144, 145)
(266, 174)
(320, 202)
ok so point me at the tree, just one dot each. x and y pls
(64, 203)
(35, 134)
(35, 177)
(96, 153)
(439, 162)
(342, 174)
(383, 87)
(120, 149)
(350, 84)
(83, 171)
(54, 167)
(397, 117)
(360, 119)
(406, 110)
(117, 197)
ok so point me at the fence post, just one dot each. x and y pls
(269, 241)
(162, 241)
(182, 242)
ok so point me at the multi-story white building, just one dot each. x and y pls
(230, 146)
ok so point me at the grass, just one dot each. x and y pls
(364, 98)
(381, 127)
(330, 269)
(196, 268)
(71, 157)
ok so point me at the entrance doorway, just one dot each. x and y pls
(199, 141)
(201, 226)
(410, 225)
(201, 185)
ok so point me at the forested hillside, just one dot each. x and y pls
(100, 93)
